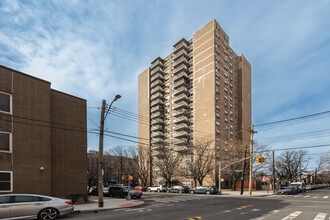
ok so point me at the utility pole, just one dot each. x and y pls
(243, 171)
(251, 157)
(300, 170)
(100, 156)
(273, 172)
(219, 177)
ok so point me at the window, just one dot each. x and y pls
(217, 42)
(172, 55)
(5, 141)
(217, 51)
(218, 36)
(5, 181)
(167, 71)
(5, 105)
(218, 27)
(166, 59)
(166, 65)
(4, 199)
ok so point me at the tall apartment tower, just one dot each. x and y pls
(201, 91)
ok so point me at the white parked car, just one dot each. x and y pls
(157, 188)
(301, 186)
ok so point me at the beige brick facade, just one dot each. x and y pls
(200, 92)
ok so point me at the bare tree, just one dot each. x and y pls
(324, 168)
(202, 161)
(140, 163)
(287, 165)
(168, 163)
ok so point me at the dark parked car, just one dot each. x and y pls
(288, 190)
(204, 190)
(95, 191)
(178, 189)
(122, 191)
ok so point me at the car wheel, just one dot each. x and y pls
(208, 192)
(149, 190)
(180, 191)
(48, 213)
(192, 192)
(158, 190)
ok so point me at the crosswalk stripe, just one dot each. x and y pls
(320, 216)
(325, 197)
(315, 197)
(306, 196)
(269, 214)
(292, 215)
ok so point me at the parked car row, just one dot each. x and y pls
(116, 191)
(183, 189)
(317, 186)
(297, 187)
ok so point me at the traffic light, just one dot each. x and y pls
(258, 159)
(263, 159)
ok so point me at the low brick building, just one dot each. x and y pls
(43, 139)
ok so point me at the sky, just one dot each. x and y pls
(96, 49)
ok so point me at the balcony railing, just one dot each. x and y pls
(156, 83)
(157, 134)
(180, 141)
(157, 89)
(180, 98)
(157, 108)
(180, 68)
(180, 54)
(158, 62)
(157, 121)
(180, 149)
(179, 83)
(180, 127)
(180, 134)
(156, 76)
(156, 70)
(156, 102)
(156, 128)
(156, 96)
(156, 115)
(180, 76)
(180, 119)
(157, 141)
(182, 60)
(181, 104)
(179, 113)
(179, 91)
(156, 147)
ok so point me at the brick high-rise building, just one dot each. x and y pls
(201, 91)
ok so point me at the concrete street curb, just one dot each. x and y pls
(97, 209)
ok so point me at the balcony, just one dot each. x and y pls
(181, 104)
(182, 97)
(180, 76)
(157, 108)
(180, 134)
(156, 128)
(156, 147)
(156, 102)
(181, 149)
(157, 134)
(179, 69)
(181, 141)
(156, 76)
(179, 113)
(181, 82)
(157, 141)
(180, 127)
(183, 43)
(156, 62)
(157, 121)
(156, 115)
(180, 54)
(158, 95)
(180, 119)
(180, 91)
(182, 60)
(156, 83)
(156, 70)
(157, 89)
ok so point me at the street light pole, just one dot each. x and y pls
(100, 156)
(219, 177)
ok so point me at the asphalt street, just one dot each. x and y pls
(303, 206)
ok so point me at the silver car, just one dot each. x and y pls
(31, 206)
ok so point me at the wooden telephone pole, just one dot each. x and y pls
(251, 157)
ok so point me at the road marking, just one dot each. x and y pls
(228, 211)
(315, 197)
(320, 216)
(296, 196)
(325, 197)
(306, 196)
(195, 218)
(255, 210)
(268, 215)
(292, 216)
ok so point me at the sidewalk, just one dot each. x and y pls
(108, 203)
(246, 192)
